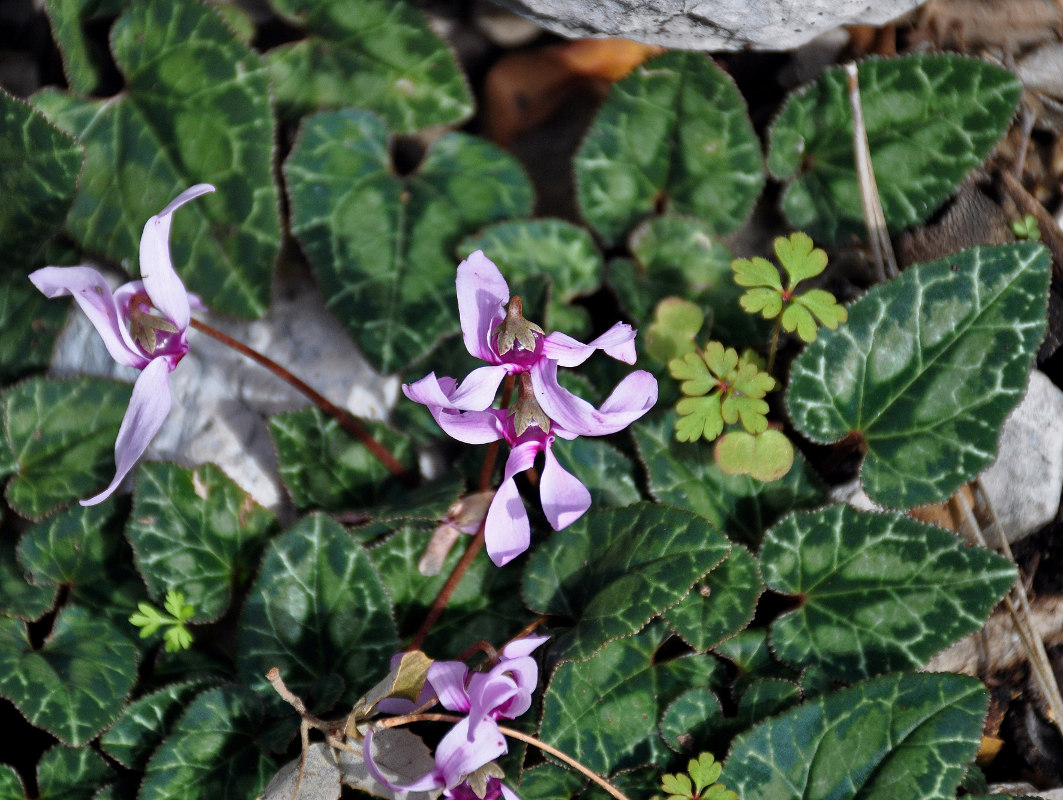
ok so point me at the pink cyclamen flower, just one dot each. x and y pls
(133, 335)
(503, 692)
(495, 331)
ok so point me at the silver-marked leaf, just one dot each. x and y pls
(375, 54)
(62, 435)
(84, 60)
(720, 605)
(38, 177)
(196, 532)
(675, 130)
(896, 736)
(613, 570)
(604, 711)
(196, 109)
(533, 247)
(549, 782)
(76, 683)
(485, 606)
(11, 784)
(684, 474)
(212, 751)
(18, 597)
(931, 119)
(67, 773)
(608, 474)
(926, 370)
(382, 244)
(72, 548)
(145, 722)
(319, 612)
(29, 323)
(325, 467)
(879, 592)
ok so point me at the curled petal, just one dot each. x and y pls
(93, 295)
(471, 427)
(448, 681)
(475, 393)
(426, 783)
(523, 647)
(617, 342)
(565, 499)
(632, 397)
(507, 532)
(463, 751)
(482, 296)
(164, 287)
(148, 407)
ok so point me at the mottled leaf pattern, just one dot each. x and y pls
(145, 722)
(71, 547)
(67, 773)
(29, 322)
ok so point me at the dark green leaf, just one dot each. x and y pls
(319, 612)
(196, 109)
(76, 683)
(615, 569)
(607, 473)
(18, 597)
(892, 737)
(212, 751)
(325, 467)
(721, 605)
(62, 434)
(145, 722)
(675, 130)
(549, 782)
(10, 784)
(84, 59)
(196, 532)
(38, 177)
(376, 54)
(29, 323)
(878, 592)
(686, 475)
(926, 370)
(931, 119)
(72, 547)
(66, 773)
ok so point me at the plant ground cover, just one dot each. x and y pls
(617, 567)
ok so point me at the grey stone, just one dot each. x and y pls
(708, 24)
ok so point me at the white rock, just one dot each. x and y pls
(221, 399)
(708, 24)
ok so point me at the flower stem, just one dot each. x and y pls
(392, 722)
(774, 343)
(342, 416)
(474, 546)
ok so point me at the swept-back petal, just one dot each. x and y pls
(93, 295)
(475, 393)
(448, 681)
(163, 286)
(507, 532)
(433, 779)
(471, 427)
(148, 407)
(524, 646)
(565, 498)
(463, 751)
(618, 342)
(482, 296)
(507, 793)
(632, 397)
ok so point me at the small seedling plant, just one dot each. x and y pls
(535, 572)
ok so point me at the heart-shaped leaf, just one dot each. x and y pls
(212, 751)
(62, 436)
(76, 683)
(896, 736)
(194, 531)
(145, 722)
(38, 177)
(195, 109)
(615, 569)
(686, 475)
(29, 324)
(926, 370)
(878, 591)
(18, 597)
(766, 456)
(382, 244)
(931, 119)
(70, 548)
(67, 773)
(676, 130)
(376, 54)
(319, 612)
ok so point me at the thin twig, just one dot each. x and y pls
(342, 416)
(875, 220)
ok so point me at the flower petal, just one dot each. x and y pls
(148, 407)
(433, 779)
(618, 342)
(507, 793)
(471, 427)
(507, 532)
(448, 681)
(475, 393)
(632, 397)
(482, 296)
(93, 295)
(164, 287)
(463, 751)
(565, 498)
(523, 647)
